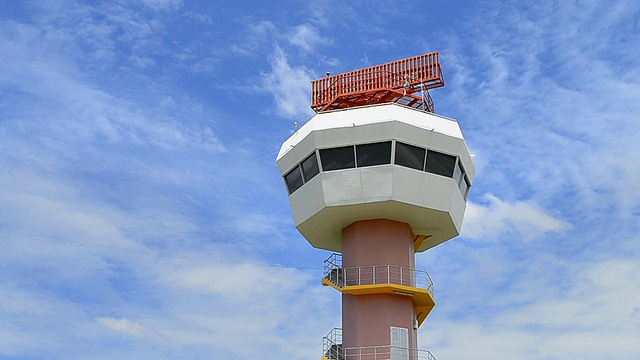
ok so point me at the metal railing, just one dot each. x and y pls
(332, 269)
(326, 89)
(332, 345)
(423, 70)
(386, 353)
(374, 275)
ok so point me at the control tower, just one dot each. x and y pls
(376, 176)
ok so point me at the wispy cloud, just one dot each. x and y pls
(289, 86)
(550, 116)
(522, 220)
(125, 326)
(164, 4)
(547, 110)
(307, 37)
(580, 321)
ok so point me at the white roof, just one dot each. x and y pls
(371, 115)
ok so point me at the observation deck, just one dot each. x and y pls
(381, 279)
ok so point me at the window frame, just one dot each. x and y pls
(395, 155)
(317, 167)
(286, 180)
(389, 153)
(326, 150)
(438, 167)
(458, 174)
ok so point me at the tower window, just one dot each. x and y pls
(458, 173)
(410, 156)
(363, 155)
(464, 187)
(337, 158)
(293, 179)
(439, 163)
(310, 167)
(374, 154)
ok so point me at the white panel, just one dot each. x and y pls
(412, 135)
(377, 182)
(296, 153)
(342, 187)
(399, 343)
(307, 200)
(363, 134)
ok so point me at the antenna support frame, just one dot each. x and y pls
(405, 81)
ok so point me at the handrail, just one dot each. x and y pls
(332, 269)
(374, 275)
(332, 345)
(332, 349)
(386, 353)
(353, 82)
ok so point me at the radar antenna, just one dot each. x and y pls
(393, 82)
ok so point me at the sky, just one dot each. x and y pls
(142, 214)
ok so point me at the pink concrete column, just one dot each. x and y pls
(366, 319)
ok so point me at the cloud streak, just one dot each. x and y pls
(496, 218)
(289, 86)
(125, 326)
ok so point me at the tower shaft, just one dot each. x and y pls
(380, 248)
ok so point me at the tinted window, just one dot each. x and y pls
(293, 179)
(464, 187)
(374, 154)
(441, 164)
(458, 173)
(337, 158)
(410, 156)
(310, 167)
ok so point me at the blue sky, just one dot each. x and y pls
(142, 214)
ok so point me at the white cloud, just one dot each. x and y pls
(262, 29)
(523, 219)
(255, 225)
(254, 40)
(596, 316)
(125, 326)
(164, 4)
(77, 110)
(205, 302)
(289, 85)
(306, 37)
(242, 283)
(245, 307)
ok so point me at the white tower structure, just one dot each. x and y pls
(375, 176)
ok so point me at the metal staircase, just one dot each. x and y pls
(332, 345)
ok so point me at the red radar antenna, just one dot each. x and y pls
(404, 81)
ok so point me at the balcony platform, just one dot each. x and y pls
(381, 279)
(421, 297)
